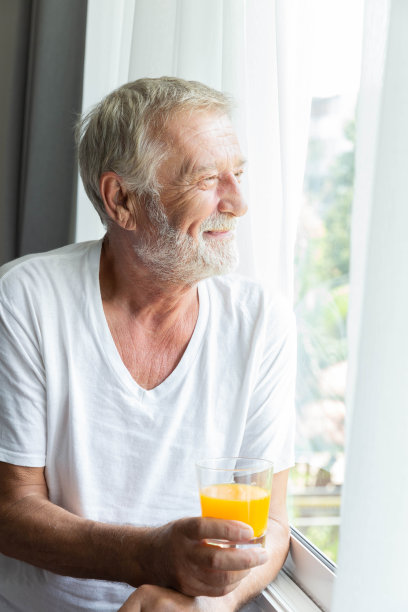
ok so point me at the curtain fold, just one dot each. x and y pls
(109, 40)
(43, 44)
(373, 540)
(279, 50)
(14, 37)
(244, 48)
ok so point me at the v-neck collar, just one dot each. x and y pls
(111, 352)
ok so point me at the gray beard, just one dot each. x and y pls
(177, 258)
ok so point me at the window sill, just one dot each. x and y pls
(304, 584)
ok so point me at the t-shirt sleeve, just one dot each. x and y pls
(270, 427)
(22, 391)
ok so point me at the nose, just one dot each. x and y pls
(231, 198)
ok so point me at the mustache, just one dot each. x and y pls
(219, 222)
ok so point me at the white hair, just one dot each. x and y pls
(125, 133)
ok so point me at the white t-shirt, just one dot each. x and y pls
(112, 451)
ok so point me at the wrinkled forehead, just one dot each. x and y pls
(202, 139)
(184, 129)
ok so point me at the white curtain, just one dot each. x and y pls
(374, 542)
(108, 43)
(259, 52)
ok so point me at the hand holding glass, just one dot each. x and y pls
(236, 488)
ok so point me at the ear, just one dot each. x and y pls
(117, 201)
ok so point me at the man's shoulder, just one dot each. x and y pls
(234, 285)
(36, 272)
(245, 291)
(244, 297)
(70, 252)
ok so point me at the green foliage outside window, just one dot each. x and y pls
(322, 264)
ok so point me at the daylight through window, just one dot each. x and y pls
(322, 276)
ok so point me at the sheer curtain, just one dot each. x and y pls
(259, 52)
(373, 543)
(109, 28)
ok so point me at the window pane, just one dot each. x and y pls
(322, 278)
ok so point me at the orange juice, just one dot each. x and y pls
(239, 502)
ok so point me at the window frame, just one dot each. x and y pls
(304, 584)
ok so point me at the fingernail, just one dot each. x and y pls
(246, 533)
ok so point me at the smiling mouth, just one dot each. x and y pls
(226, 235)
(218, 233)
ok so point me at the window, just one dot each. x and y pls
(322, 276)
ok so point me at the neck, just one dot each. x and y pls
(127, 284)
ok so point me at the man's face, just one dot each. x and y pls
(200, 200)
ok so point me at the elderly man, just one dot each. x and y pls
(124, 361)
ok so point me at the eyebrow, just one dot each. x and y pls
(187, 171)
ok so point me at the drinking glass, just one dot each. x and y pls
(236, 488)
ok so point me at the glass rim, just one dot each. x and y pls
(205, 464)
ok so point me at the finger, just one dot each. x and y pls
(217, 579)
(214, 584)
(230, 559)
(205, 581)
(206, 528)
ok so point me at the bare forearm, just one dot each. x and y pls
(38, 532)
(34, 530)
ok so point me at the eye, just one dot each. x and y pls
(238, 175)
(207, 182)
